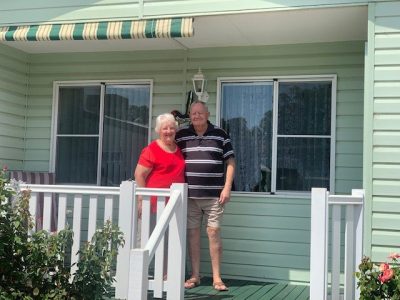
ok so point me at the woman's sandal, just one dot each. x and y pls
(192, 283)
(220, 286)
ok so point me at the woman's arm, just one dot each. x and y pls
(141, 174)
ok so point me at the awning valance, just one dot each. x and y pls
(106, 30)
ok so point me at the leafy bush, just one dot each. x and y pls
(379, 281)
(32, 266)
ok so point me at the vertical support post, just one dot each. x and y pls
(177, 246)
(138, 274)
(349, 254)
(318, 256)
(359, 226)
(128, 225)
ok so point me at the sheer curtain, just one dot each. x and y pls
(125, 133)
(246, 114)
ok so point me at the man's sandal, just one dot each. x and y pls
(220, 286)
(192, 283)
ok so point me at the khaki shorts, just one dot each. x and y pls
(211, 209)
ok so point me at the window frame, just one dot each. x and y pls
(276, 80)
(85, 83)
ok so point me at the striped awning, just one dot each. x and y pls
(107, 30)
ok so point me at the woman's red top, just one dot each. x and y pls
(166, 168)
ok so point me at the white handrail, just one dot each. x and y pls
(162, 224)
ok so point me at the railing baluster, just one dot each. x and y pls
(92, 216)
(159, 257)
(62, 211)
(77, 232)
(335, 244)
(146, 220)
(32, 210)
(47, 208)
(108, 207)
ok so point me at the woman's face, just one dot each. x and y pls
(167, 132)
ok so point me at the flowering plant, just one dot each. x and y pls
(379, 281)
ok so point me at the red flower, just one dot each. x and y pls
(383, 267)
(386, 275)
(394, 255)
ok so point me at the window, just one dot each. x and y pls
(99, 131)
(281, 130)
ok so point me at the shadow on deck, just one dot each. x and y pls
(242, 289)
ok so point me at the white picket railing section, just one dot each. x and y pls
(133, 263)
(172, 214)
(321, 205)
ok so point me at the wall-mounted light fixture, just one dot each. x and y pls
(199, 86)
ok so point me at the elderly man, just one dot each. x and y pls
(206, 149)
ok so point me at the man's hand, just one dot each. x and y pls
(225, 196)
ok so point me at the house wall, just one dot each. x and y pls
(382, 173)
(266, 237)
(28, 12)
(13, 89)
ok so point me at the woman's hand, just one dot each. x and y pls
(139, 206)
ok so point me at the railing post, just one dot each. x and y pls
(138, 274)
(359, 225)
(177, 246)
(127, 209)
(318, 256)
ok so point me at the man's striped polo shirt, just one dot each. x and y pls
(205, 157)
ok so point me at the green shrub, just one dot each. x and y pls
(379, 281)
(32, 266)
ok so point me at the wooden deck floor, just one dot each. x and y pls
(240, 290)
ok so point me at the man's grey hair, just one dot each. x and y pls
(199, 102)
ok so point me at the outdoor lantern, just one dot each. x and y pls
(199, 86)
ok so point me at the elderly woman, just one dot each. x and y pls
(161, 163)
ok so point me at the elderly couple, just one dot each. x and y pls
(198, 154)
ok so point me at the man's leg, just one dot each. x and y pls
(214, 218)
(215, 245)
(194, 251)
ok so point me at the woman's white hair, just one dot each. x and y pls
(164, 118)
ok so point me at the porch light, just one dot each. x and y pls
(199, 86)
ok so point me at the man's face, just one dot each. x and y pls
(199, 115)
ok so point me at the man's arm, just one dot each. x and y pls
(230, 173)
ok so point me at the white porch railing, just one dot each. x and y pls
(321, 205)
(173, 215)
